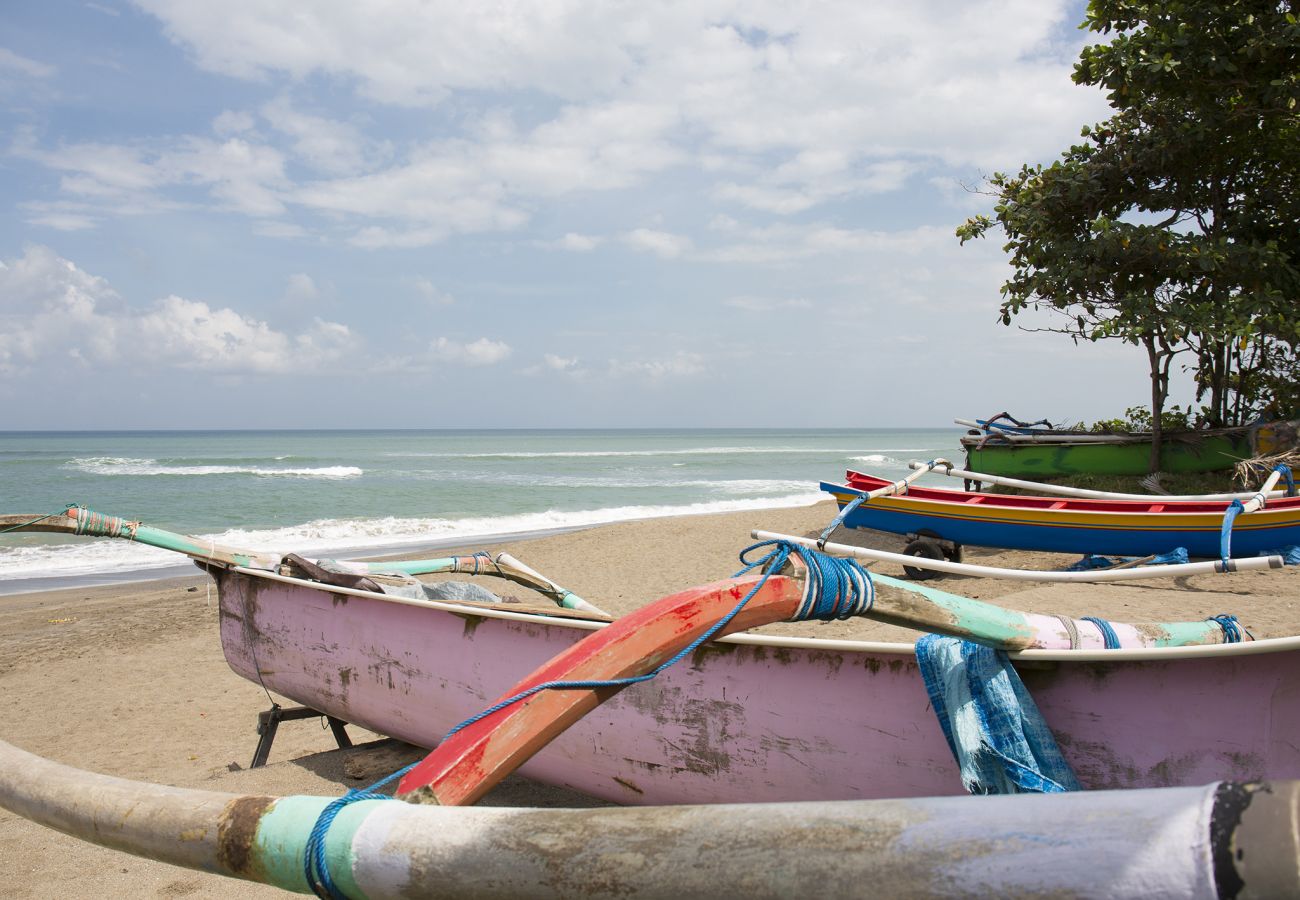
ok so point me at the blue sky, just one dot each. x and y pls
(401, 214)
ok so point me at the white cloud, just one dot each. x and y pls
(239, 175)
(301, 288)
(660, 243)
(559, 363)
(482, 352)
(194, 336)
(552, 363)
(775, 108)
(413, 53)
(680, 365)
(55, 310)
(64, 221)
(577, 243)
(231, 121)
(784, 243)
(32, 68)
(795, 187)
(325, 145)
(431, 293)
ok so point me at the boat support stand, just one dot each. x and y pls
(268, 723)
(926, 543)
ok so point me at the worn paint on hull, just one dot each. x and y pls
(758, 720)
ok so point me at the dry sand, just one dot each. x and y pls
(130, 679)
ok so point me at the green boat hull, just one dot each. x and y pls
(1212, 453)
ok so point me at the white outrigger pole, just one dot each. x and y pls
(949, 470)
(1247, 564)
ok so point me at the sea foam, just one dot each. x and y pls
(114, 465)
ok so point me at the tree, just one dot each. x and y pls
(1175, 224)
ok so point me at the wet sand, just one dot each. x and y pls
(130, 679)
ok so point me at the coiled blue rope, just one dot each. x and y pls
(1232, 629)
(835, 589)
(1108, 635)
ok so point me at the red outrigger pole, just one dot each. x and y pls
(469, 763)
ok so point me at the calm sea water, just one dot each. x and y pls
(355, 492)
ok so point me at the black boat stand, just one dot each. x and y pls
(269, 722)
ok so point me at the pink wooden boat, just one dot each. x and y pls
(756, 718)
(746, 718)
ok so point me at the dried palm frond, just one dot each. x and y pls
(1249, 472)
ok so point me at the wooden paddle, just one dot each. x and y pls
(475, 759)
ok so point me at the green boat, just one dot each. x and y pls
(1054, 453)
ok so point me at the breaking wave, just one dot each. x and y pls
(116, 465)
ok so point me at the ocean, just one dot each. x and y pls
(354, 493)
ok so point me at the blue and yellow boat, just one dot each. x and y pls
(1068, 524)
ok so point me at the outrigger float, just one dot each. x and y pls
(1219, 840)
(742, 717)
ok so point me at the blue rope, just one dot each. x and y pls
(482, 556)
(857, 501)
(1108, 634)
(1290, 480)
(52, 515)
(315, 865)
(1232, 629)
(835, 589)
(839, 520)
(1235, 508)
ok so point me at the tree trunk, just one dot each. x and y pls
(1159, 389)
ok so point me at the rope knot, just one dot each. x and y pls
(94, 524)
(835, 588)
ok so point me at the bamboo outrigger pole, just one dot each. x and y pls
(1170, 842)
(81, 521)
(1065, 491)
(1249, 564)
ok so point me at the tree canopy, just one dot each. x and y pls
(1175, 224)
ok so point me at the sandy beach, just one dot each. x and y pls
(130, 680)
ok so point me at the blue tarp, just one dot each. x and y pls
(993, 727)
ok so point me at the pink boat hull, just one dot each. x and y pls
(760, 721)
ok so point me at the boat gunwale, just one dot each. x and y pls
(1171, 506)
(1135, 654)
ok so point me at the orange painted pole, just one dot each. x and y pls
(475, 759)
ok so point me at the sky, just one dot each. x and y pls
(258, 214)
